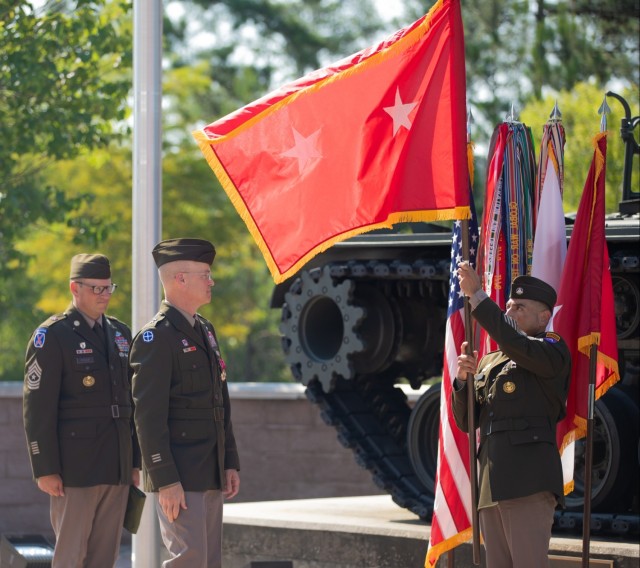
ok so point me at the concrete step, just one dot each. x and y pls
(365, 532)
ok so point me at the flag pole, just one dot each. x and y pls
(473, 474)
(603, 111)
(471, 399)
(586, 523)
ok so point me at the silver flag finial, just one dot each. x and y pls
(470, 121)
(512, 117)
(603, 111)
(556, 115)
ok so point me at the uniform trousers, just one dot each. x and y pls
(87, 523)
(517, 532)
(194, 539)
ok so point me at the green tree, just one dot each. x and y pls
(63, 88)
(517, 50)
(580, 118)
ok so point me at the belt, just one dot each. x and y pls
(216, 413)
(510, 424)
(113, 411)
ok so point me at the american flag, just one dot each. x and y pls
(451, 523)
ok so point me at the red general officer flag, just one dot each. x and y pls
(585, 314)
(375, 139)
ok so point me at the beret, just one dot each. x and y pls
(171, 250)
(90, 266)
(532, 288)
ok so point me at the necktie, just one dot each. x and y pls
(102, 338)
(203, 332)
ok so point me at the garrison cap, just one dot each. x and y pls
(90, 266)
(532, 288)
(171, 250)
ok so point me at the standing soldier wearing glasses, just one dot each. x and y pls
(78, 419)
(183, 414)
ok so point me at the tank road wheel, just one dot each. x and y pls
(614, 475)
(422, 436)
(318, 327)
(627, 306)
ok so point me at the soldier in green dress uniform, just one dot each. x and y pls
(78, 419)
(183, 415)
(521, 393)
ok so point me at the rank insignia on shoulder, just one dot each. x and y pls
(551, 337)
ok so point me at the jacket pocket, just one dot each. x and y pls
(77, 429)
(87, 377)
(195, 372)
(191, 430)
(532, 436)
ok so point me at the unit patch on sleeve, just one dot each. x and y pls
(551, 337)
(39, 337)
(147, 336)
(34, 373)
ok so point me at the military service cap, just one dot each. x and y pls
(532, 288)
(171, 250)
(90, 266)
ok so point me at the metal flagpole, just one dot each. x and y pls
(604, 110)
(588, 460)
(147, 210)
(471, 395)
(471, 401)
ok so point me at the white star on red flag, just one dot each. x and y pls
(399, 112)
(304, 149)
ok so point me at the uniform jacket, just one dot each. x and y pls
(183, 415)
(521, 393)
(77, 402)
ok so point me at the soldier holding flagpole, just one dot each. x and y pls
(520, 392)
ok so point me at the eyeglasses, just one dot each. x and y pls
(97, 290)
(203, 275)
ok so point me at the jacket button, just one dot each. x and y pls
(535, 437)
(184, 434)
(490, 413)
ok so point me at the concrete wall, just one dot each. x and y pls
(286, 452)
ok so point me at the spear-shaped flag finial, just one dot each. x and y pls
(603, 111)
(470, 121)
(512, 116)
(556, 115)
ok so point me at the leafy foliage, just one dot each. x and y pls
(63, 87)
(521, 50)
(579, 109)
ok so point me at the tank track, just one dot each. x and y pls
(370, 418)
(354, 384)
